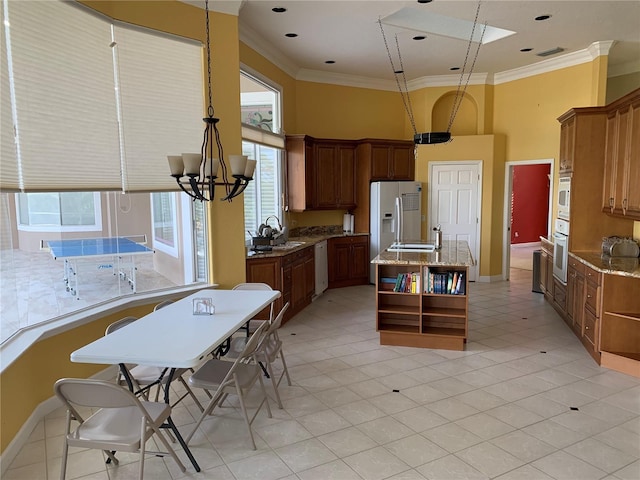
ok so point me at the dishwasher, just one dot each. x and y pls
(321, 266)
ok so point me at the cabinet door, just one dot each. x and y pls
(578, 303)
(402, 163)
(309, 274)
(380, 163)
(567, 145)
(360, 259)
(608, 188)
(619, 177)
(297, 284)
(339, 266)
(326, 167)
(265, 270)
(346, 177)
(632, 180)
(287, 282)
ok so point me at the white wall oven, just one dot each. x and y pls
(561, 250)
(564, 197)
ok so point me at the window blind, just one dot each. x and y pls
(262, 137)
(162, 104)
(76, 130)
(64, 98)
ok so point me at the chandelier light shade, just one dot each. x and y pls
(198, 174)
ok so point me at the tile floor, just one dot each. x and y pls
(524, 401)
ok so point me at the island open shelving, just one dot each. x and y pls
(429, 309)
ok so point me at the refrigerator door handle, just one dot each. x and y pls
(399, 225)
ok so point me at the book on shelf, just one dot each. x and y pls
(408, 282)
(444, 282)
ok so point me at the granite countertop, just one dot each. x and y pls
(452, 253)
(305, 240)
(624, 266)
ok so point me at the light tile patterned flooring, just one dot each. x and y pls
(524, 401)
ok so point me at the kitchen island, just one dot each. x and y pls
(422, 297)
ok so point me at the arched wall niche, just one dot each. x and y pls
(466, 120)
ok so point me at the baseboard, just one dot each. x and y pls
(41, 411)
(489, 278)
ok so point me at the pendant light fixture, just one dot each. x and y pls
(197, 173)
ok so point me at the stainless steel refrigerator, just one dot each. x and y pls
(395, 216)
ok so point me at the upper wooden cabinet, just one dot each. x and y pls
(567, 144)
(387, 159)
(321, 173)
(621, 188)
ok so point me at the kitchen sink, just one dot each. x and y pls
(287, 245)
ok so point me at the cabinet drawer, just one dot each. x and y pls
(591, 300)
(577, 266)
(592, 275)
(590, 322)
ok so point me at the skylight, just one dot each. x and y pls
(424, 21)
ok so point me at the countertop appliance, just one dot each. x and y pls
(620, 247)
(386, 225)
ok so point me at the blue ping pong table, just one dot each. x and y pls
(121, 250)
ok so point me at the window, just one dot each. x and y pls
(76, 96)
(261, 124)
(164, 222)
(63, 211)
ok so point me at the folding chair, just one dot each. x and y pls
(122, 424)
(225, 378)
(255, 286)
(268, 352)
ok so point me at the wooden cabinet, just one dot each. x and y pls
(321, 174)
(387, 159)
(575, 295)
(621, 194)
(293, 275)
(592, 312)
(422, 319)
(582, 146)
(348, 260)
(559, 295)
(546, 268)
(335, 169)
(567, 145)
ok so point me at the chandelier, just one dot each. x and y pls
(197, 173)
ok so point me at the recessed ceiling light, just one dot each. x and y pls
(278, 9)
(419, 37)
(330, 62)
(291, 35)
(398, 72)
(526, 49)
(539, 18)
(454, 68)
(425, 1)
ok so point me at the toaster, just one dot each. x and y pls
(620, 247)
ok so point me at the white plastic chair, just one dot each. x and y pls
(268, 352)
(237, 378)
(122, 424)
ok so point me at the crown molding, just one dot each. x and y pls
(264, 48)
(549, 65)
(448, 80)
(346, 80)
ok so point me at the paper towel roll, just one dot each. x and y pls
(346, 223)
(352, 224)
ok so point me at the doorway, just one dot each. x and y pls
(454, 204)
(527, 211)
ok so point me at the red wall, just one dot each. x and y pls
(529, 203)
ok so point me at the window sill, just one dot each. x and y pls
(22, 340)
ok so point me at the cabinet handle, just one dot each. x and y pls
(611, 204)
(588, 296)
(586, 327)
(624, 206)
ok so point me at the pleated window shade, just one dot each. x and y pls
(60, 64)
(262, 137)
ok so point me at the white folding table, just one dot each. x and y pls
(174, 337)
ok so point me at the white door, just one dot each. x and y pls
(454, 204)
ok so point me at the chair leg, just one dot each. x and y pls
(246, 416)
(284, 365)
(191, 394)
(170, 450)
(274, 384)
(212, 404)
(266, 398)
(143, 438)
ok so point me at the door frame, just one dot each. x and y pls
(508, 190)
(474, 271)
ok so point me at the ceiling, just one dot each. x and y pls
(348, 33)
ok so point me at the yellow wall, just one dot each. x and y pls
(489, 149)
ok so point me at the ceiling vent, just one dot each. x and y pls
(548, 53)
